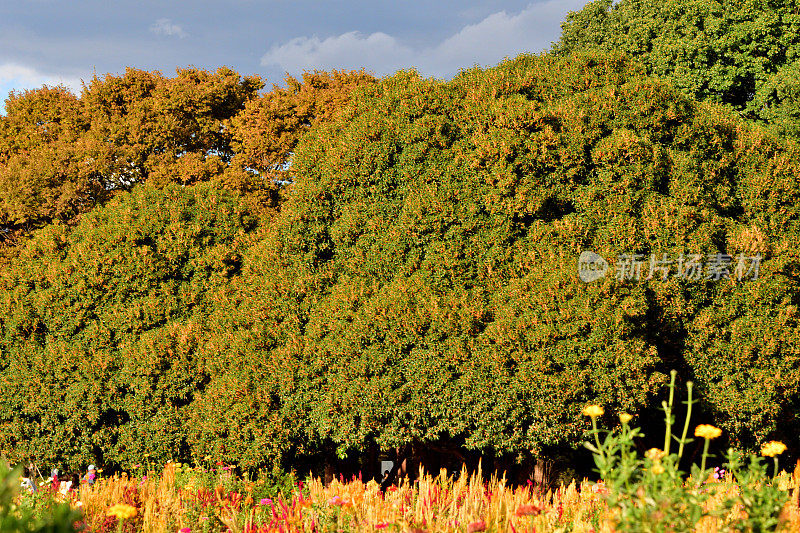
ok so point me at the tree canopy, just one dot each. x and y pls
(417, 285)
(740, 53)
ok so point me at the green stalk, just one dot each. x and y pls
(668, 410)
(597, 437)
(775, 474)
(703, 462)
(689, 387)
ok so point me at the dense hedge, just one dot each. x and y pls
(100, 325)
(418, 283)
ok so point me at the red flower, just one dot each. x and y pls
(528, 509)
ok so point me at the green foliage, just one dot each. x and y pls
(417, 285)
(740, 53)
(102, 326)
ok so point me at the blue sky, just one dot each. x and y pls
(52, 42)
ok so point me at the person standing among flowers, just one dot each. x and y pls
(54, 479)
(91, 474)
(27, 482)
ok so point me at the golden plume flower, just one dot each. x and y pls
(122, 511)
(772, 448)
(657, 469)
(593, 410)
(625, 417)
(707, 431)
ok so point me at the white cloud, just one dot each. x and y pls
(487, 42)
(166, 27)
(19, 77)
(350, 51)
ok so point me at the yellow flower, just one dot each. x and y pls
(593, 411)
(654, 454)
(772, 448)
(707, 431)
(657, 469)
(625, 418)
(122, 511)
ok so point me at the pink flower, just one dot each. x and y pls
(337, 500)
(186, 530)
(480, 525)
(265, 501)
(382, 525)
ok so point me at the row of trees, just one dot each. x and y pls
(348, 263)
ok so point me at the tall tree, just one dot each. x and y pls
(61, 155)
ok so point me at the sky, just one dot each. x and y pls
(55, 42)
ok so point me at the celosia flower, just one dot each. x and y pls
(122, 511)
(593, 411)
(657, 468)
(625, 417)
(707, 431)
(186, 530)
(265, 501)
(528, 509)
(772, 448)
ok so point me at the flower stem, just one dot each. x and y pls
(597, 437)
(705, 454)
(689, 387)
(668, 410)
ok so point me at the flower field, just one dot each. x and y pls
(185, 499)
